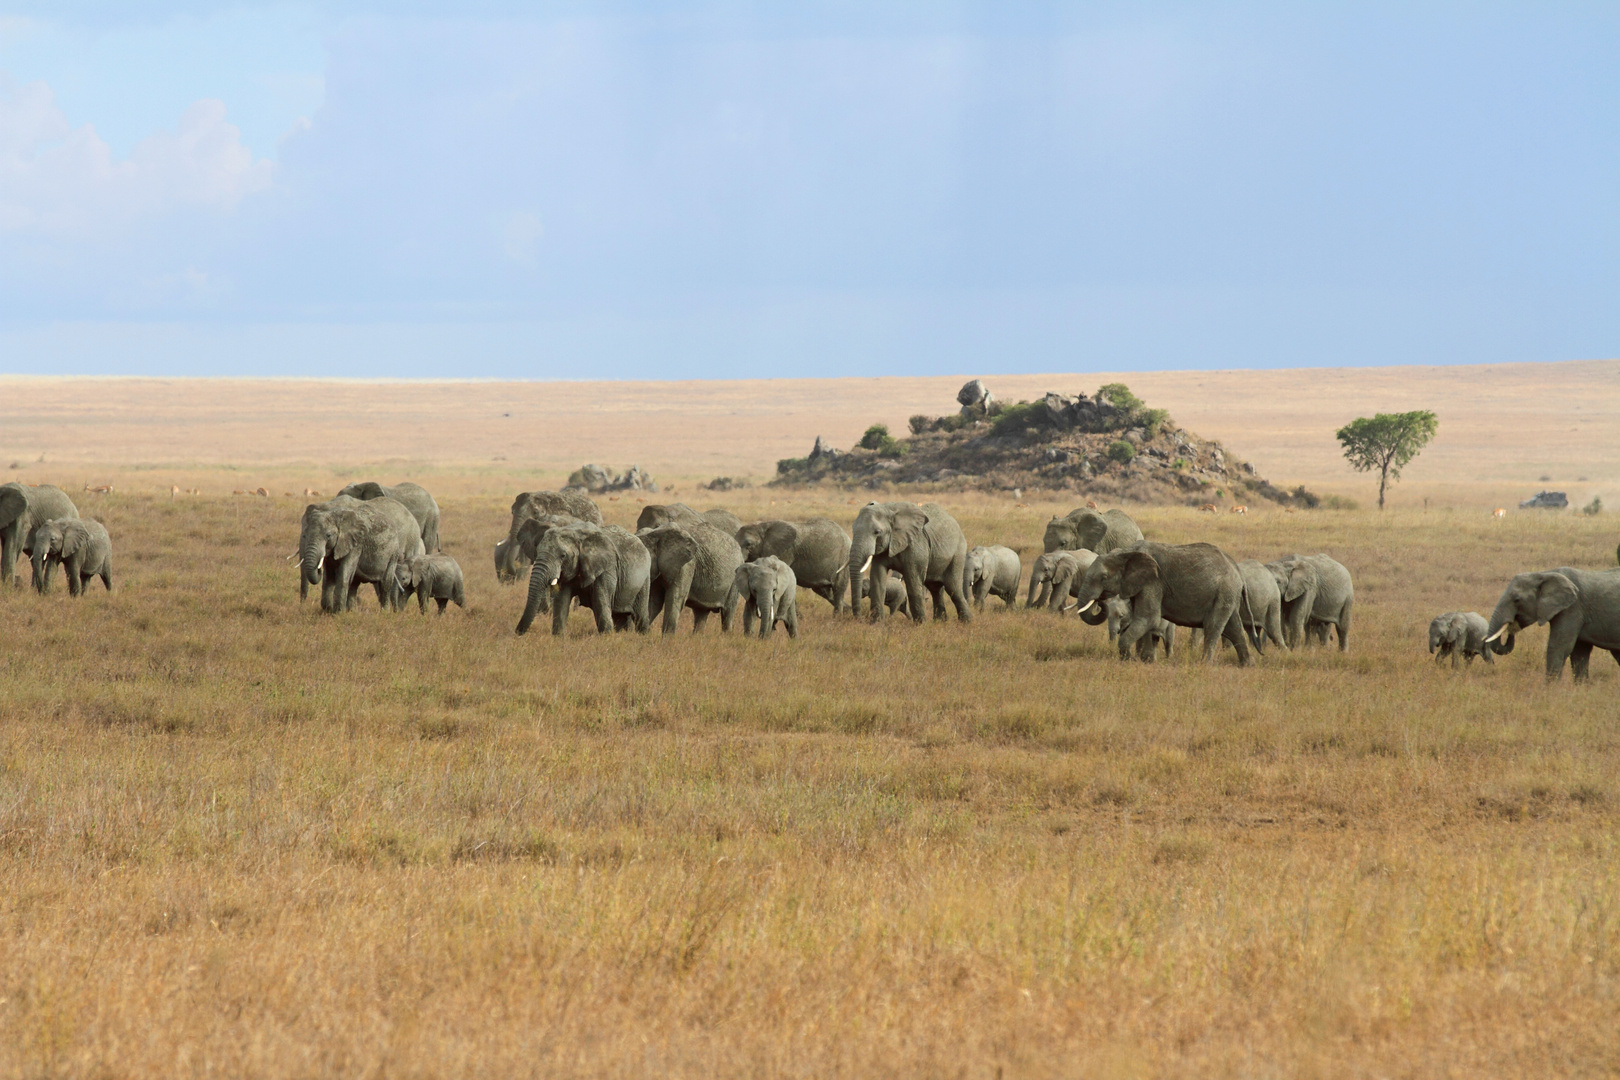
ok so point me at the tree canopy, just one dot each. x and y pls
(1386, 442)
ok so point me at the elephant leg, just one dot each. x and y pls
(1234, 633)
(935, 602)
(8, 556)
(601, 597)
(877, 584)
(1344, 625)
(443, 602)
(728, 613)
(1169, 639)
(914, 594)
(1580, 657)
(639, 608)
(700, 616)
(840, 590)
(790, 617)
(1612, 652)
(563, 607)
(749, 607)
(660, 601)
(1130, 634)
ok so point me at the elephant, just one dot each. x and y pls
(1193, 585)
(304, 580)
(1316, 592)
(606, 565)
(924, 543)
(1580, 607)
(894, 595)
(693, 566)
(770, 591)
(816, 549)
(1085, 528)
(415, 498)
(655, 514)
(1055, 577)
(1460, 633)
(345, 543)
(724, 520)
(568, 505)
(993, 571)
(518, 551)
(1261, 610)
(431, 577)
(83, 548)
(1117, 611)
(23, 509)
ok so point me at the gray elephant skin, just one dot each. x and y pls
(606, 566)
(894, 595)
(81, 546)
(511, 560)
(1580, 607)
(345, 543)
(1261, 609)
(993, 571)
(815, 549)
(693, 566)
(1055, 578)
(23, 509)
(923, 544)
(770, 592)
(414, 497)
(1317, 592)
(1117, 612)
(655, 514)
(1459, 634)
(1193, 585)
(432, 577)
(1086, 528)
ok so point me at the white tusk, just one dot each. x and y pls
(1500, 632)
(1087, 608)
(554, 582)
(865, 566)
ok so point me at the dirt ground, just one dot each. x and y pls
(1503, 428)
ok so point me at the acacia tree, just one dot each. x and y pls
(1386, 442)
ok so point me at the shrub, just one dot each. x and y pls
(1153, 420)
(1120, 397)
(1593, 508)
(873, 439)
(921, 423)
(1013, 419)
(1121, 451)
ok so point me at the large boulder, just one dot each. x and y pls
(591, 478)
(975, 398)
(1546, 500)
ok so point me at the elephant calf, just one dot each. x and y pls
(1459, 633)
(770, 591)
(81, 546)
(993, 571)
(1119, 617)
(894, 595)
(431, 577)
(1055, 578)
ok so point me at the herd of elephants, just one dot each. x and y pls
(1096, 563)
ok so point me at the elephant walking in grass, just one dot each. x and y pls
(1261, 609)
(609, 568)
(1086, 528)
(1316, 592)
(346, 543)
(1193, 585)
(993, 571)
(431, 577)
(770, 592)
(81, 546)
(23, 509)
(693, 566)
(815, 549)
(1118, 613)
(414, 497)
(1459, 634)
(924, 544)
(1580, 607)
(655, 514)
(512, 559)
(894, 595)
(1055, 578)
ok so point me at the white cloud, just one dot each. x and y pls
(62, 182)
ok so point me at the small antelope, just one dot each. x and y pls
(1499, 512)
(312, 492)
(104, 489)
(238, 491)
(261, 491)
(1240, 509)
(174, 489)
(1288, 509)
(1207, 508)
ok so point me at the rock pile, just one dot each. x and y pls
(595, 479)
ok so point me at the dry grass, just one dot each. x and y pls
(238, 838)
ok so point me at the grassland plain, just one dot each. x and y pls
(238, 838)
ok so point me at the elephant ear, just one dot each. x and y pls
(529, 535)
(344, 527)
(740, 581)
(1137, 571)
(596, 556)
(73, 539)
(12, 504)
(905, 526)
(367, 491)
(1297, 581)
(1555, 593)
(681, 546)
(779, 538)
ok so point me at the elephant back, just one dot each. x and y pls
(33, 506)
(655, 514)
(531, 505)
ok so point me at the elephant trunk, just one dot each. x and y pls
(540, 578)
(1503, 628)
(310, 553)
(860, 563)
(767, 613)
(41, 565)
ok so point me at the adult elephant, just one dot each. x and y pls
(924, 544)
(345, 543)
(1085, 528)
(1580, 607)
(1316, 592)
(655, 514)
(693, 566)
(512, 559)
(23, 509)
(607, 567)
(1192, 585)
(1261, 610)
(815, 549)
(414, 497)
(993, 571)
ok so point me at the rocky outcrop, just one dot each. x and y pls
(595, 479)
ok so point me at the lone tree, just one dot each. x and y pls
(1386, 442)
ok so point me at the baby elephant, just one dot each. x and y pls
(1119, 614)
(80, 545)
(770, 591)
(993, 571)
(431, 577)
(1460, 632)
(894, 594)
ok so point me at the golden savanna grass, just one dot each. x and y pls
(238, 838)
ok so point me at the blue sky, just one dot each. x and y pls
(733, 189)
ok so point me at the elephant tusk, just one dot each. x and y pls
(867, 565)
(1087, 608)
(554, 582)
(1500, 632)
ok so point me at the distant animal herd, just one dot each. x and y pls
(1096, 564)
